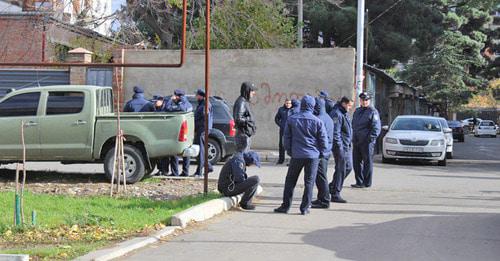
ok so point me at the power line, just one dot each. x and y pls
(374, 19)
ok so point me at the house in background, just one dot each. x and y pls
(37, 35)
(95, 15)
(393, 97)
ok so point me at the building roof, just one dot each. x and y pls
(49, 18)
(386, 76)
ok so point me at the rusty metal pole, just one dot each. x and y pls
(207, 93)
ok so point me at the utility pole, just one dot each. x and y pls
(367, 39)
(300, 22)
(360, 49)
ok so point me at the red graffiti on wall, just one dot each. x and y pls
(266, 95)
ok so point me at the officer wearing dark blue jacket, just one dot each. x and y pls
(295, 107)
(280, 120)
(305, 140)
(159, 106)
(366, 129)
(342, 153)
(179, 103)
(138, 102)
(233, 179)
(199, 130)
(328, 102)
(323, 200)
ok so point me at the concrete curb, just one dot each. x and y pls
(13, 257)
(197, 213)
(207, 210)
(128, 246)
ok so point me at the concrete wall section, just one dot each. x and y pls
(278, 74)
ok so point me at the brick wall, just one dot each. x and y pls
(20, 39)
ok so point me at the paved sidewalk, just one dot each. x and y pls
(413, 212)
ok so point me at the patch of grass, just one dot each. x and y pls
(54, 252)
(152, 180)
(71, 226)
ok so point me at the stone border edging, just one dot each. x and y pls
(14, 257)
(207, 210)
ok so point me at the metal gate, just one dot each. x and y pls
(24, 78)
(100, 76)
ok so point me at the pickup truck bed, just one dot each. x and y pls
(76, 124)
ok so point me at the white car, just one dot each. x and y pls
(449, 137)
(415, 137)
(469, 121)
(486, 128)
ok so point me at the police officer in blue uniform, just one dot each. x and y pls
(159, 106)
(323, 200)
(328, 102)
(305, 140)
(233, 179)
(199, 130)
(342, 151)
(138, 102)
(179, 103)
(280, 120)
(295, 107)
(366, 129)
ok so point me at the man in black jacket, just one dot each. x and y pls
(233, 179)
(243, 117)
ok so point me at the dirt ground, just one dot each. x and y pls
(76, 184)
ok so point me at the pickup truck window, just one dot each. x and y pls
(65, 103)
(25, 104)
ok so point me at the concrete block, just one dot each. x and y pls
(207, 210)
(8, 257)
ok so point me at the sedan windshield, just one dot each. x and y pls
(416, 124)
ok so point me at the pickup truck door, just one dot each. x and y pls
(66, 126)
(14, 110)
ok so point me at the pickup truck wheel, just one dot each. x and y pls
(214, 151)
(134, 164)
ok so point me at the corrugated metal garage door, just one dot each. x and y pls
(18, 79)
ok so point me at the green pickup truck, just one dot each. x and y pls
(76, 124)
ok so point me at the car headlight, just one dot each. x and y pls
(391, 140)
(437, 143)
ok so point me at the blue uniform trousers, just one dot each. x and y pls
(362, 156)
(310, 167)
(322, 181)
(343, 167)
(281, 158)
(201, 157)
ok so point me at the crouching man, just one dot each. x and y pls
(233, 179)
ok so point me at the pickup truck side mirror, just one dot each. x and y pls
(447, 130)
(385, 128)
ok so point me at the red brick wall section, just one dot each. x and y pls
(20, 39)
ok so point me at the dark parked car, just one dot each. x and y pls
(221, 138)
(458, 130)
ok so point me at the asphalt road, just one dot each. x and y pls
(412, 212)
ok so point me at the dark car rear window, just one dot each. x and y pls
(454, 124)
